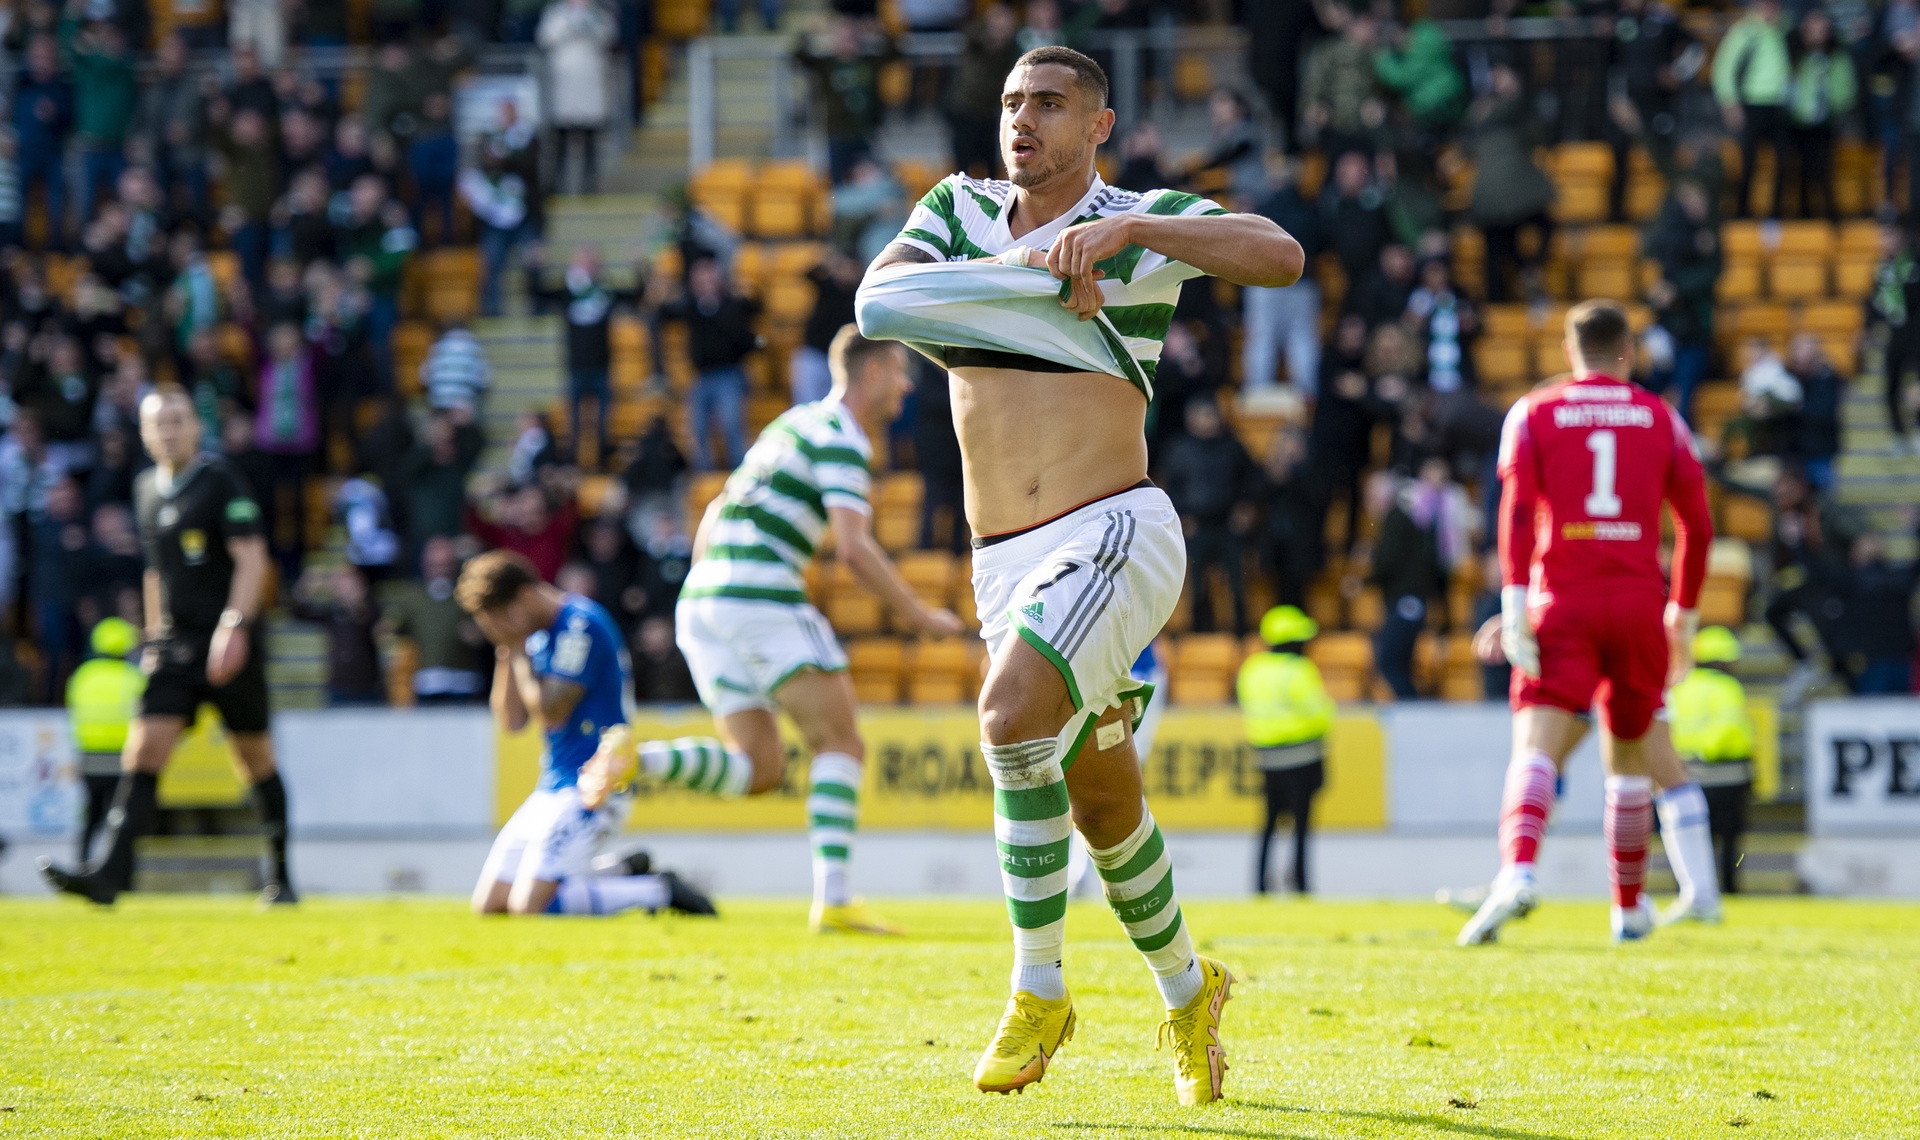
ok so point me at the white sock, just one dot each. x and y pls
(833, 810)
(1046, 981)
(1688, 841)
(608, 894)
(1518, 874)
(699, 763)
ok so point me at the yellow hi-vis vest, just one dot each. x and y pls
(1708, 714)
(102, 697)
(1283, 700)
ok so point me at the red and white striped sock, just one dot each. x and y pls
(1628, 824)
(1525, 807)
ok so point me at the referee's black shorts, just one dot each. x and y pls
(179, 686)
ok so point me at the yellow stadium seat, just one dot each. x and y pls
(681, 19)
(703, 488)
(938, 671)
(1832, 317)
(1739, 281)
(1797, 278)
(1505, 320)
(1746, 517)
(1605, 278)
(1199, 687)
(1366, 611)
(901, 489)
(1807, 239)
(1860, 235)
(895, 529)
(1584, 200)
(1593, 160)
(789, 299)
(930, 575)
(731, 175)
(778, 212)
(1723, 601)
(854, 612)
(876, 664)
(1853, 274)
(1208, 651)
(1618, 242)
(794, 258)
(1742, 239)
(1502, 360)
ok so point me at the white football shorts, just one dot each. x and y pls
(741, 651)
(1088, 590)
(550, 837)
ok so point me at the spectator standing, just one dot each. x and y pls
(196, 22)
(287, 427)
(1286, 320)
(1416, 63)
(1290, 542)
(1893, 316)
(527, 524)
(653, 478)
(1812, 540)
(1141, 168)
(1770, 398)
(1353, 216)
(1713, 733)
(936, 447)
(456, 373)
(1279, 32)
(869, 208)
(720, 332)
(42, 119)
(660, 674)
(847, 77)
(1405, 565)
(835, 279)
(252, 174)
(1286, 714)
(106, 95)
(373, 545)
(1823, 93)
(588, 304)
(1875, 627)
(1447, 321)
(1752, 81)
(497, 198)
(1380, 294)
(1821, 391)
(1210, 478)
(436, 476)
(1237, 144)
(446, 641)
(1686, 243)
(576, 34)
(1496, 675)
(769, 15)
(1340, 440)
(1340, 100)
(989, 55)
(1510, 194)
(344, 607)
(1653, 57)
(374, 242)
(614, 563)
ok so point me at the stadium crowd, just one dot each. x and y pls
(243, 232)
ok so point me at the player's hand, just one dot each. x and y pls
(1516, 632)
(1486, 643)
(611, 766)
(1076, 251)
(942, 623)
(1681, 626)
(227, 654)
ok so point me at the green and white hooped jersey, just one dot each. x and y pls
(965, 219)
(774, 508)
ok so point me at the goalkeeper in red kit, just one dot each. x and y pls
(1586, 616)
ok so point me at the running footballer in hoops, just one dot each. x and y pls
(1047, 297)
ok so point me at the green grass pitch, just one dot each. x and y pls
(190, 1017)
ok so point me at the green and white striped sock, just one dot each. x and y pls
(1031, 823)
(833, 811)
(697, 763)
(1139, 883)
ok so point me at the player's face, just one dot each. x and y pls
(1046, 126)
(170, 430)
(510, 625)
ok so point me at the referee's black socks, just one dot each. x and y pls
(136, 810)
(270, 798)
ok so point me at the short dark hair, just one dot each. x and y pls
(1599, 329)
(493, 580)
(848, 353)
(1091, 77)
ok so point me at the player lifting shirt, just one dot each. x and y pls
(203, 589)
(1047, 297)
(1585, 612)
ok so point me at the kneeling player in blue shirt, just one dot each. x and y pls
(558, 654)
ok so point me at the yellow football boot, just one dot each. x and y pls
(1031, 1032)
(1199, 1061)
(609, 769)
(855, 917)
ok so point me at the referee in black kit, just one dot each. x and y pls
(205, 577)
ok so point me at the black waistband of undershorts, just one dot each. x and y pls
(993, 358)
(987, 540)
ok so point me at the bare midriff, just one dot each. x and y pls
(1034, 445)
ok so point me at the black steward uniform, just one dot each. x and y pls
(185, 530)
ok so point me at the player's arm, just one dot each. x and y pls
(228, 653)
(553, 697)
(1519, 496)
(152, 595)
(509, 710)
(1686, 493)
(862, 553)
(1245, 249)
(900, 253)
(705, 528)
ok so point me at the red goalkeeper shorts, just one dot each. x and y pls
(1610, 649)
